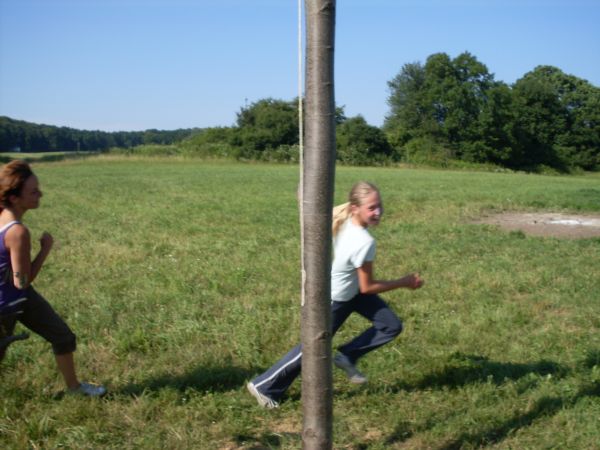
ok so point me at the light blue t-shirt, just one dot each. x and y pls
(352, 247)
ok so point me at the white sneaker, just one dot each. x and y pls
(262, 399)
(342, 362)
(88, 390)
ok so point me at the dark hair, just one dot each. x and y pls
(12, 178)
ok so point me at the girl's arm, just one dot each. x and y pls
(18, 241)
(368, 285)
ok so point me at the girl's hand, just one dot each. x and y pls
(414, 281)
(46, 241)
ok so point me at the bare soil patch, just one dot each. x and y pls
(560, 225)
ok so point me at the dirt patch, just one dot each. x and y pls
(560, 225)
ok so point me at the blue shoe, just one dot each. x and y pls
(88, 390)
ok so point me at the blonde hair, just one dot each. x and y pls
(341, 213)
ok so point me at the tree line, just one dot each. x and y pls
(454, 108)
(19, 135)
(443, 110)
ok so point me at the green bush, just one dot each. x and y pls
(426, 150)
(148, 150)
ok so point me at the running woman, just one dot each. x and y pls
(19, 301)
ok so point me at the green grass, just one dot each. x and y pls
(181, 280)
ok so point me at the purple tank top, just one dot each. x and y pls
(11, 298)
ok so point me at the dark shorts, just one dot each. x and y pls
(40, 318)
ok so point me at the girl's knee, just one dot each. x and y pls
(393, 328)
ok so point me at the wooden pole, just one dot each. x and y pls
(317, 204)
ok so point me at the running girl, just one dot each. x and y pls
(20, 192)
(353, 289)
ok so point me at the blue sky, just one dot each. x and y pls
(166, 64)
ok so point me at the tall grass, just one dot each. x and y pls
(181, 279)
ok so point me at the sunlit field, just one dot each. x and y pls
(181, 280)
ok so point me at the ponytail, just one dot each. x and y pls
(341, 213)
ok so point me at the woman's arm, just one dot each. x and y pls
(18, 242)
(368, 285)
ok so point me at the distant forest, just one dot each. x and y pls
(445, 110)
(18, 135)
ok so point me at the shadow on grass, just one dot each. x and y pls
(210, 379)
(267, 440)
(461, 370)
(473, 369)
(592, 359)
(545, 407)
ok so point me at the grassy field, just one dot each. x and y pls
(181, 279)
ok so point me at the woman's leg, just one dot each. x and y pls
(66, 366)
(41, 318)
(7, 327)
(385, 327)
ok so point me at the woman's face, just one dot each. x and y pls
(369, 212)
(30, 195)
